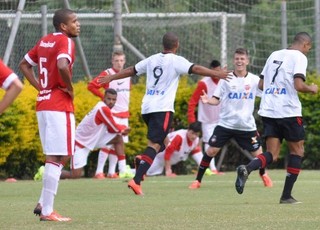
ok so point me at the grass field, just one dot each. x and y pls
(167, 204)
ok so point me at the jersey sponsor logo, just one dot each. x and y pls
(44, 97)
(154, 92)
(120, 83)
(275, 91)
(243, 95)
(47, 44)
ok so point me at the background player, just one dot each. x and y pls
(97, 129)
(208, 115)
(120, 113)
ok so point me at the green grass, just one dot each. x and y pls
(167, 204)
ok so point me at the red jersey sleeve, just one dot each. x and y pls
(95, 88)
(194, 100)
(104, 116)
(174, 145)
(5, 74)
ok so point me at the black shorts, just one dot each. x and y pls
(159, 125)
(290, 129)
(249, 140)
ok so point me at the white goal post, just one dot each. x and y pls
(195, 17)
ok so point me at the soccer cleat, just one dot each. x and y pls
(112, 176)
(266, 180)
(216, 172)
(99, 176)
(289, 200)
(54, 216)
(37, 210)
(135, 187)
(242, 176)
(195, 185)
(208, 172)
(38, 176)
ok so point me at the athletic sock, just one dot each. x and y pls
(262, 171)
(122, 163)
(146, 161)
(51, 178)
(205, 162)
(293, 170)
(113, 160)
(260, 161)
(102, 158)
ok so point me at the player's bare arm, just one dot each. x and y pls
(11, 93)
(302, 87)
(222, 73)
(128, 72)
(63, 67)
(28, 73)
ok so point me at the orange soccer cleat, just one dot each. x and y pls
(266, 180)
(135, 187)
(99, 176)
(54, 216)
(195, 185)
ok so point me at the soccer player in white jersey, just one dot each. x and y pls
(163, 71)
(121, 115)
(208, 115)
(236, 120)
(182, 143)
(10, 82)
(282, 77)
(54, 54)
(96, 130)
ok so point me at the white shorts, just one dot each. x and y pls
(80, 157)
(207, 131)
(123, 121)
(81, 154)
(57, 132)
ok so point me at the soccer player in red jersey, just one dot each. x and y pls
(54, 55)
(10, 82)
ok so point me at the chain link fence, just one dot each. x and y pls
(207, 29)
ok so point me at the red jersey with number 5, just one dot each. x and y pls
(45, 54)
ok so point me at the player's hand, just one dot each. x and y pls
(171, 175)
(126, 131)
(104, 79)
(204, 97)
(225, 73)
(314, 88)
(70, 92)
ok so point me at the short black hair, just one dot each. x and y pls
(170, 40)
(61, 16)
(111, 91)
(241, 51)
(215, 63)
(195, 126)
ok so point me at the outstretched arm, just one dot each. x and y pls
(128, 72)
(222, 73)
